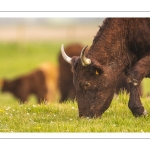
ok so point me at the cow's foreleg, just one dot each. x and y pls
(135, 104)
(140, 70)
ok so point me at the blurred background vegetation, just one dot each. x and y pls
(22, 40)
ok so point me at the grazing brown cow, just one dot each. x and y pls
(65, 77)
(42, 82)
(121, 45)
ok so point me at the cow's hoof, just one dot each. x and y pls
(143, 114)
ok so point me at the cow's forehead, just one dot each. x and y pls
(81, 70)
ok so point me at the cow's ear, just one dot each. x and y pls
(74, 62)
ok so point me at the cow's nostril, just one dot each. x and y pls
(87, 85)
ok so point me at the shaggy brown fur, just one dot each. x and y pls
(41, 82)
(121, 45)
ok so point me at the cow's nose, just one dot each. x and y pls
(87, 85)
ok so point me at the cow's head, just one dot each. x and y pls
(94, 83)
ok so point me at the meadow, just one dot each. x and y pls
(20, 58)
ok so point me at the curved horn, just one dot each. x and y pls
(66, 58)
(85, 61)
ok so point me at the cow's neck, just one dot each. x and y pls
(109, 46)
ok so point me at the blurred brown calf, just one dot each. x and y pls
(65, 77)
(42, 82)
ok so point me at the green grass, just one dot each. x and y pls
(56, 117)
(20, 58)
